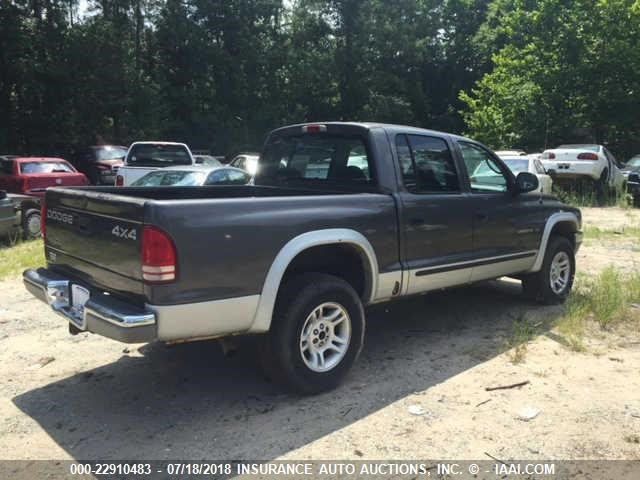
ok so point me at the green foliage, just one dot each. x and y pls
(219, 74)
(563, 71)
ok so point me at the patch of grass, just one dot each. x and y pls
(625, 233)
(606, 299)
(583, 194)
(524, 330)
(16, 258)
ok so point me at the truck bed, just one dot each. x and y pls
(226, 237)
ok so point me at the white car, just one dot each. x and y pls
(246, 161)
(145, 157)
(529, 164)
(574, 162)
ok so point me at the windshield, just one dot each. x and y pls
(319, 159)
(165, 178)
(517, 165)
(45, 167)
(110, 153)
(593, 148)
(158, 155)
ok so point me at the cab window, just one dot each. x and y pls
(427, 165)
(485, 173)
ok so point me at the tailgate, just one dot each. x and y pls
(96, 237)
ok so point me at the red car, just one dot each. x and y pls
(32, 175)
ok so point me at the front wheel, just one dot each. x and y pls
(316, 334)
(553, 283)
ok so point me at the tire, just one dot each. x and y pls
(284, 356)
(31, 224)
(538, 286)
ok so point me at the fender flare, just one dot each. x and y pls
(264, 312)
(552, 221)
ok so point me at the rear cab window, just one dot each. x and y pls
(426, 164)
(317, 159)
(158, 155)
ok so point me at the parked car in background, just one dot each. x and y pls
(100, 163)
(193, 176)
(8, 216)
(632, 165)
(519, 164)
(33, 175)
(145, 157)
(19, 214)
(500, 153)
(209, 160)
(569, 163)
(246, 161)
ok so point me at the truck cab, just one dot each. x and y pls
(145, 157)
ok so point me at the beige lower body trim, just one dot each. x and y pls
(218, 317)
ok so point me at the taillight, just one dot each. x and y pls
(43, 220)
(548, 156)
(587, 156)
(119, 181)
(159, 259)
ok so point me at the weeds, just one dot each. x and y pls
(19, 256)
(625, 233)
(583, 194)
(523, 332)
(606, 300)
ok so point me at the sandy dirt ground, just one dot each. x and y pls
(417, 391)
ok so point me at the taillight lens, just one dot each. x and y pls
(159, 258)
(43, 220)
(119, 181)
(548, 156)
(314, 128)
(587, 156)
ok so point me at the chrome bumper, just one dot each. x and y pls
(101, 314)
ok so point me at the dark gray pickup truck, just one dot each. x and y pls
(341, 215)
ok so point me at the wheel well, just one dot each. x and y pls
(565, 229)
(341, 260)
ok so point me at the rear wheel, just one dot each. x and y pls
(553, 283)
(31, 224)
(316, 333)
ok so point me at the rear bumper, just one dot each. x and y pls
(573, 169)
(101, 314)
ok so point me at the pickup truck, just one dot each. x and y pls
(341, 215)
(145, 157)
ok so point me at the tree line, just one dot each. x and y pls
(218, 74)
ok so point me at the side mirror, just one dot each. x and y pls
(526, 182)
